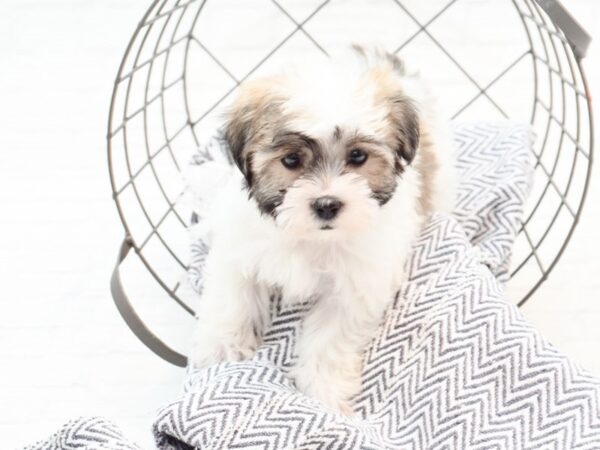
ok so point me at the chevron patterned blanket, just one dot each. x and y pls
(454, 365)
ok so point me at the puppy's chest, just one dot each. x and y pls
(312, 273)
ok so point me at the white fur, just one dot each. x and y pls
(354, 276)
(352, 271)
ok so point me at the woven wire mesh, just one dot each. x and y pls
(187, 57)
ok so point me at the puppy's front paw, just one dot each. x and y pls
(335, 387)
(212, 346)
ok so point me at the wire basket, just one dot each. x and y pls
(186, 58)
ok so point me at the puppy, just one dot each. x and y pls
(339, 164)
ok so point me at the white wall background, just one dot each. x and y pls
(64, 350)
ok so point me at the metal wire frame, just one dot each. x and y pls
(554, 53)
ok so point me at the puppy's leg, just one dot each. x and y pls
(330, 349)
(231, 315)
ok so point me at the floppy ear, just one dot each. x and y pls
(403, 113)
(404, 117)
(251, 120)
(238, 130)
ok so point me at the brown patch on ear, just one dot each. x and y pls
(251, 121)
(403, 124)
(404, 120)
(406, 133)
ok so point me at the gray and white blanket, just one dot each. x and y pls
(454, 365)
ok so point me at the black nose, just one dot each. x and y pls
(326, 207)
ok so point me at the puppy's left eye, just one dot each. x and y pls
(357, 157)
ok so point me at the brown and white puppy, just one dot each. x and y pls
(338, 165)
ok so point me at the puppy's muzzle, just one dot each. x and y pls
(327, 207)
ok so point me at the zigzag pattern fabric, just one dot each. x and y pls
(454, 365)
(93, 433)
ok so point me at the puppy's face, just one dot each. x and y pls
(323, 151)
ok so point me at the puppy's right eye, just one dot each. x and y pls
(291, 161)
(357, 157)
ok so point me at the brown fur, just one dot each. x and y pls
(252, 120)
(378, 170)
(402, 127)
